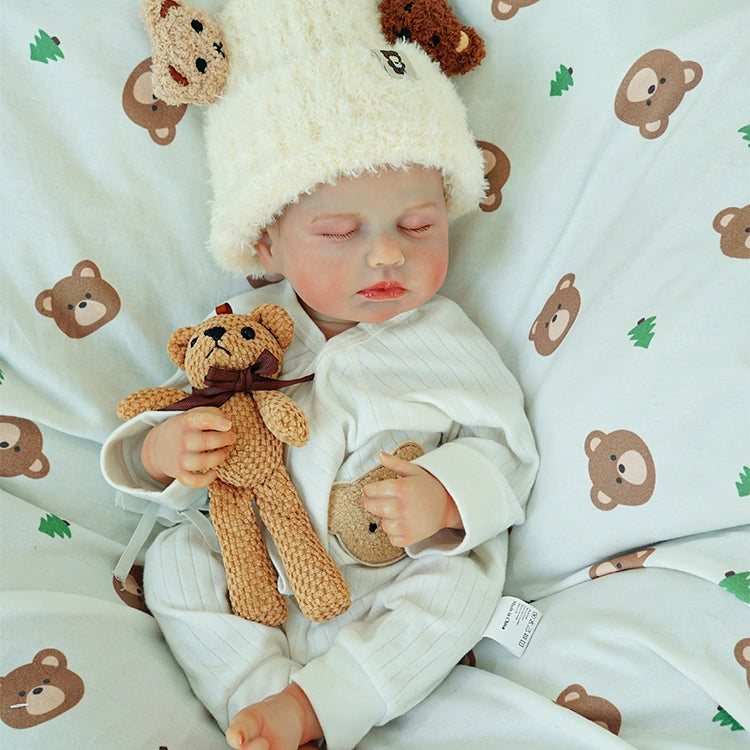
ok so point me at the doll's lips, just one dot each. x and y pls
(383, 290)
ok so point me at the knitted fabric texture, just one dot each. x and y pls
(315, 93)
(254, 470)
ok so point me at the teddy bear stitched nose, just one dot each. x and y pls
(215, 333)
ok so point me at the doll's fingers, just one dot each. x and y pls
(402, 467)
(204, 461)
(382, 507)
(196, 479)
(385, 488)
(205, 441)
(207, 418)
(243, 732)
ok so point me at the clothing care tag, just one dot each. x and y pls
(513, 624)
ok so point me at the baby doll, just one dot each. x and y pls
(337, 161)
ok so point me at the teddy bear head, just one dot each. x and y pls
(621, 468)
(233, 342)
(190, 57)
(432, 25)
(652, 90)
(591, 707)
(557, 316)
(39, 691)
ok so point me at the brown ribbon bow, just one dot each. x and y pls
(221, 385)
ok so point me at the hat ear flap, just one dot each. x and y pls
(177, 345)
(277, 320)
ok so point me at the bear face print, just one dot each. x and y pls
(652, 90)
(21, 449)
(733, 224)
(742, 655)
(631, 561)
(80, 303)
(591, 707)
(621, 468)
(37, 692)
(496, 172)
(145, 109)
(557, 316)
(505, 9)
(131, 589)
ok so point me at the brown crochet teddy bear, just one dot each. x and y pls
(231, 362)
(432, 25)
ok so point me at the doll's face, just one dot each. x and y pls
(363, 249)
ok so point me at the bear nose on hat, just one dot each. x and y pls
(215, 333)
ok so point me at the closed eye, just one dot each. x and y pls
(344, 236)
(417, 230)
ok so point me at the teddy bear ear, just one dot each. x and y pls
(277, 320)
(190, 58)
(178, 344)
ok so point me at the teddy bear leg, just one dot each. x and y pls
(321, 590)
(251, 577)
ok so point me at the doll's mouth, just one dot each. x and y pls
(383, 290)
(217, 345)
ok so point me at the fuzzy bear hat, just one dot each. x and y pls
(314, 92)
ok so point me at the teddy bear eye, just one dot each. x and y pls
(197, 26)
(201, 64)
(247, 333)
(193, 342)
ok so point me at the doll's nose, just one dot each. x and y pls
(215, 333)
(385, 251)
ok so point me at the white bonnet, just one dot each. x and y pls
(314, 93)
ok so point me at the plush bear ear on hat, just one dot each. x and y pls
(190, 59)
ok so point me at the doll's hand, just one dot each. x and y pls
(412, 507)
(188, 447)
(284, 721)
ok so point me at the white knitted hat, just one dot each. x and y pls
(315, 93)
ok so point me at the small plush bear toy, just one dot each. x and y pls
(433, 26)
(231, 362)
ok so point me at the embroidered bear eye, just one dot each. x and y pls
(193, 342)
(247, 333)
(201, 65)
(197, 26)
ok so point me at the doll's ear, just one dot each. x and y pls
(190, 59)
(178, 344)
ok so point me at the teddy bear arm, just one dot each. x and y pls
(283, 417)
(148, 399)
